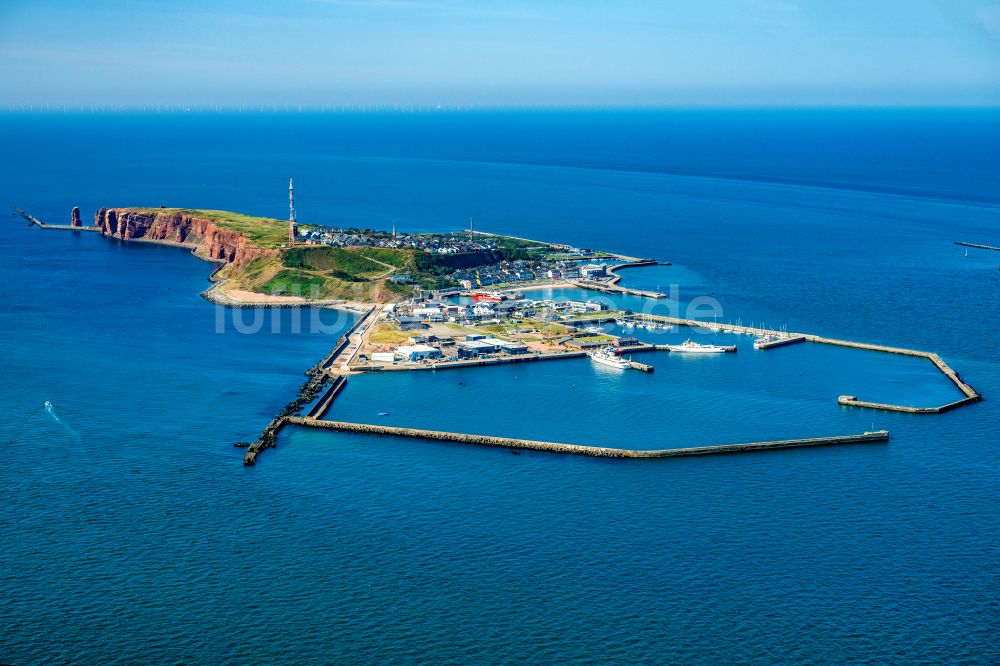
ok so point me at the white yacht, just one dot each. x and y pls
(764, 340)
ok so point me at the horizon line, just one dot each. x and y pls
(262, 109)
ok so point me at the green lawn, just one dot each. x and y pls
(593, 338)
(295, 283)
(388, 334)
(339, 262)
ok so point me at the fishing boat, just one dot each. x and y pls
(696, 348)
(596, 330)
(605, 356)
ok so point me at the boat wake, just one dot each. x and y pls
(55, 417)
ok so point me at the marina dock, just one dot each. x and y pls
(593, 451)
(780, 342)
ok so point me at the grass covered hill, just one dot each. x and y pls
(327, 272)
(274, 266)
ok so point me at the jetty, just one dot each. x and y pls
(32, 220)
(593, 451)
(318, 375)
(612, 286)
(977, 245)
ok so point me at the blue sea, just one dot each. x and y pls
(132, 533)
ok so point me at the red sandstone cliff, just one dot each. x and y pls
(213, 241)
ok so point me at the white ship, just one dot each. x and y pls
(695, 348)
(605, 356)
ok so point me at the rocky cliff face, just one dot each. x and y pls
(74, 217)
(213, 241)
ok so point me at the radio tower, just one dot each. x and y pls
(292, 225)
(471, 232)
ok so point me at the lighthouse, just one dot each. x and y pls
(292, 224)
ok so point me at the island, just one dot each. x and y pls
(434, 301)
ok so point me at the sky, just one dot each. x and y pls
(500, 53)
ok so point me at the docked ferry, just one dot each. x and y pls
(488, 296)
(695, 348)
(606, 357)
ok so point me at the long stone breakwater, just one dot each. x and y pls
(977, 245)
(971, 395)
(593, 451)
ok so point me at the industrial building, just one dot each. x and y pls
(414, 353)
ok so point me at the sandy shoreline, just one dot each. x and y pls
(240, 298)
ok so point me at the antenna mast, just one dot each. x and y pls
(291, 213)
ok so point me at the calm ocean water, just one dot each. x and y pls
(131, 533)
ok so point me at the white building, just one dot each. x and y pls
(418, 352)
(481, 310)
(593, 270)
(511, 347)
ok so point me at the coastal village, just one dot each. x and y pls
(486, 327)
